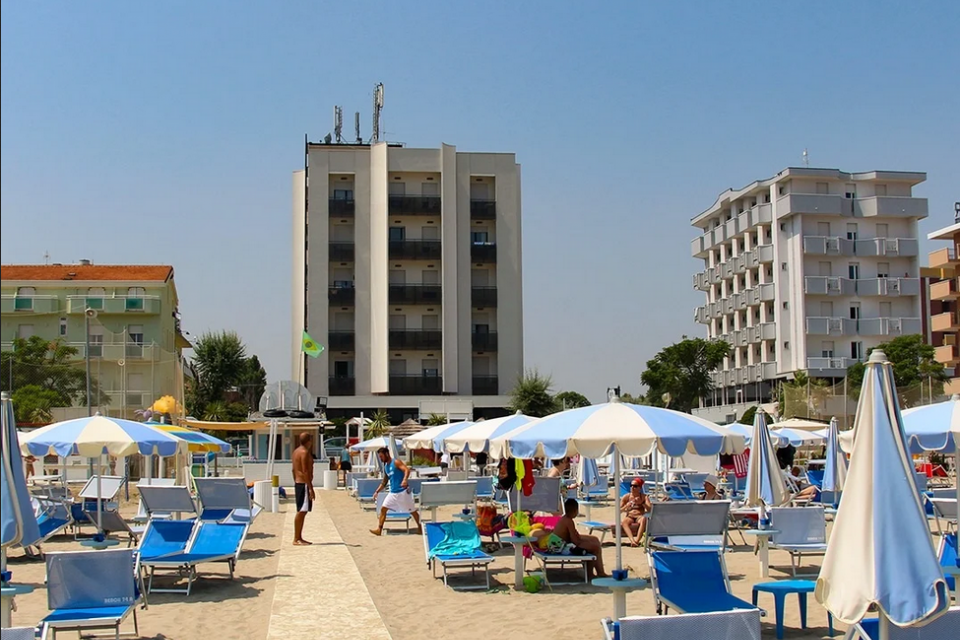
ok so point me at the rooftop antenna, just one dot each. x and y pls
(806, 158)
(377, 108)
(356, 126)
(338, 124)
(46, 257)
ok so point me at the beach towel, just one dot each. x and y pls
(461, 538)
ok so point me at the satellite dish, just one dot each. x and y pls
(286, 395)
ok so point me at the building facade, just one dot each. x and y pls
(944, 309)
(806, 271)
(135, 340)
(407, 268)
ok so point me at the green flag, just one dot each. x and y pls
(310, 346)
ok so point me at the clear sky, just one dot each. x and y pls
(167, 133)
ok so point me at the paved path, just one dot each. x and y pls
(319, 590)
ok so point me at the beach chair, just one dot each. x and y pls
(688, 525)
(815, 477)
(802, 531)
(943, 628)
(439, 494)
(112, 522)
(678, 491)
(692, 582)
(740, 624)
(365, 489)
(53, 517)
(209, 542)
(947, 552)
(350, 480)
(559, 561)
(226, 500)
(695, 481)
(429, 472)
(393, 516)
(18, 633)
(84, 510)
(89, 590)
(484, 486)
(945, 512)
(455, 545)
(165, 502)
(142, 515)
(599, 491)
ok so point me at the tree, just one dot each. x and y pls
(571, 400)
(50, 365)
(221, 364)
(912, 359)
(747, 417)
(252, 381)
(813, 392)
(531, 395)
(436, 419)
(683, 370)
(33, 403)
(378, 424)
(632, 399)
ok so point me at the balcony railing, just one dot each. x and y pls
(888, 287)
(948, 355)
(943, 258)
(484, 296)
(415, 384)
(415, 250)
(342, 293)
(829, 285)
(342, 386)
(888, 326)
(830, 326)
(30, 304)
(483, 209)
(140, 305)
(948, 321)
(486, 385)
(484, 341)
(415, 205)
(895, 206)
(415, 294)
(341, 252)
(116, 351)
(835, 364)
(485, 252)
(341, 208)
(341, 341)
(945, 289)
(415, 339)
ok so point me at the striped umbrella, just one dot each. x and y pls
(476, 437)
(197, 441)
(588, 473)
(835, 469)
(765, 485)
(880, 553)
(432, 437)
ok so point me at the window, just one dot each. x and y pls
(344, 194)
(850, 191)
(851, 231)
(430, 189)
(431, 368)
(398, 234)
(24, 299)
(481, 328)
(430, 323)
(854, 310)
(479, 237)
(430, 276)
(430, 233)
(341, 369)
(398, 367)
(826, 349)
(63, 327)
(95, 297)
(883, 269)
(853, 271)
(823, 188)
(481, 191)
(134, 300)
(856, 350)
(24, 331)
(882, 230)
(397, 322)
(134, 395)
(397, 189)
(96, 341)
(397, 276)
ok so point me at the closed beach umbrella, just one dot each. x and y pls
(588, 473)
(765, 485)
(835, 469)
(432, 438)
(880, 553)
(476, 437)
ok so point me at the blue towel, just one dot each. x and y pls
(460, 539)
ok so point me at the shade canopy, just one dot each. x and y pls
(477, 436)
(799, 438)
(432, 437)
(375, 443)
(880, 553)
(746, 431)
(634, 430)
(17, 522)
(97, 435)
(207, 425)
(932, 427)
(835, 469)
(765, 485)
(798, 424)
(197, 441)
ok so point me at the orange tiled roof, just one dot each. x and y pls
(83, 272)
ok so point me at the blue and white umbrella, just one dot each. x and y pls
(375, 443)
(432, 438)
(835, 469)
(588, 473)
(765, 485)
(99, 435)
(880, 553)
(934, 427)
(476, 437)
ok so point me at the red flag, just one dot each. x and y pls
(740, 462)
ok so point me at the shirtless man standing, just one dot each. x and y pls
(303, 485)
(566, 529)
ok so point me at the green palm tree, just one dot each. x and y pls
(378, 424)
(436, 419)
(531, 396)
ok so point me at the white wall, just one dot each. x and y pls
(378, 261)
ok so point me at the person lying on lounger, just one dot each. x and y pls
(806, 491)
(635, 506)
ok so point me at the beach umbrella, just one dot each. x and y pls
(476, 437)
(797, 437)
(880, 553)
(588, 473)
(798, 424)
(375, 443)
(765, 485)
(835, 469)
(432, 437)
(934, 427)
(197, 441)
(18, 525)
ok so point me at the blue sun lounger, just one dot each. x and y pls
(948, 553)
(365, 489)
(208, 542)
(89, 590)
(53, 519)
(943, 628)
(688, 525)
(226, 500)
(692, 582)
(455, 545)
(802, 531)
(741, 624)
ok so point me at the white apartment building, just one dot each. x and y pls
(407, 268)
(806, 271)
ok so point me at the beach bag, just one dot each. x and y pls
(489, 522)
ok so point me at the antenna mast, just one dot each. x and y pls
(806, 158)
(377, 108)
(338, 124)
(356, 126)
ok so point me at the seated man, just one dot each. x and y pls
(566, 530)
(710, 490)
(635, 506)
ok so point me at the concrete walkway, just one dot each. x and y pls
(319, 592)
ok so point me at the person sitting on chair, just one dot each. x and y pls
(635, 506)
(566, 530)
(711, 490)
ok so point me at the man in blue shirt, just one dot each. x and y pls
(400, 499)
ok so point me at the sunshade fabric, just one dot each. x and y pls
(432, 437)
(97, 435)
(765, 485)
(197, 441)
(17, 522)
(477, 436)
(835, 469)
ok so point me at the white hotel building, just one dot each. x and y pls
(407, 268)
(805, 271)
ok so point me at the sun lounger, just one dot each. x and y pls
(484, 486)
(89, 590)
(678, 491)
(695, 481)
(593, 526)
(945, 510)
(429, 472)
(53, 518)
(815, 477)
(560, 561)
(209, 542)
(943, 628)
(226, 500)
(142, 515)
(84, 510)
(802, 531)
(692, 582)
(947, 552)
(741, 624)
(393, 516)
(350, 480)
(18, 633)
(688, 525)
(464, 539)
(439, 494)
(365, 489)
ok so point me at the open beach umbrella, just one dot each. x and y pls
(933, 427)
(375, 443)
(432, 437)
(835, 469)
(798, 424)
(197, 441)
(476, 437)
(880, 553)
(765, 485)
(798, 438)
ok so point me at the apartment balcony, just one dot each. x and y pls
(888, 287)
(483, 209)
(887, 247)
(340, 208)
(740, 300)
(945, 289)
(831, 205)
(138, 305)
(767, 292)
(483, 297)
(726, 306)
(948, 355)
(483, 252)
(715, 309)
(947, 322)
(341, 252)
(414, 205)
(945, 258)
(415, 339)
(701, 316)
(415, 385)
(891, 206)
(117, 351)
(731, 228)
(414, 250)
(486, 385)
(700, 281)
(430, 294)
(831, 326)
(342, 386)
(765, 253)
(726, 270)
(762, 331)
(738, 338)
(341, 341)
(341, 293)
(830, 364)
(713, 275)
(484, 340)
(829, 246)
(829, 286)
(889, 326)
(29, 305)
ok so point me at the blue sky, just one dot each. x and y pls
(167, 133)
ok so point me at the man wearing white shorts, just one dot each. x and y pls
(400, 499)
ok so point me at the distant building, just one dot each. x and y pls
(407, 268)
(944, 310)
(806, 271)
(135, 336)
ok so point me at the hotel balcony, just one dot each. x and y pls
(431, 294)
(139, 305)
(414, 205)
(483, 297)
(486, 385)
(341, 293)
(889, 326)
(946, 322)
(483, 253)
(892, 206)
(829, 246)
(341, 341)
(888, 287)
(829, 286)
(948, 355)
(887, 247)
(763, 331)
(415, 385)
(830, 326)
(342, 386)
(945, 289)
(810, 203)
(339, 208)
(28, 305)
(484, 341)
(830, 364)
(341, 252)
(483, 209)
(414, 250)
(414, 339)
(945, 258)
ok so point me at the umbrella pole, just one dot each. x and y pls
(884, 625)
(5, 622)
(616, 478)
(99, 494)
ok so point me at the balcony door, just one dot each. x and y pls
(826, 349)
(430, 322)
(430, 189)
(397, 276)
(398, 234)
(342, 369)
(481, 191)
(430, 233)
(398, 322)
(481, 366)
(397, 189)
(854, 310)
(398, 367)
(431, 368)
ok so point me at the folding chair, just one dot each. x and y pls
(209, 542)
(484, 486)
(163, 502)
(692, 582)
(226, 500)
(740, 624)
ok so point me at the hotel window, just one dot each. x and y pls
(397, 189)
(430, 189)
(398, 234)
(96, 341)
(856, 350)
(883, 269)
(24, 299)
(851, 231)
(134, 300)
(853, 271)
(854, 310)
(826, 350)
(63, 327)
(343, 194)
(134, 347)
